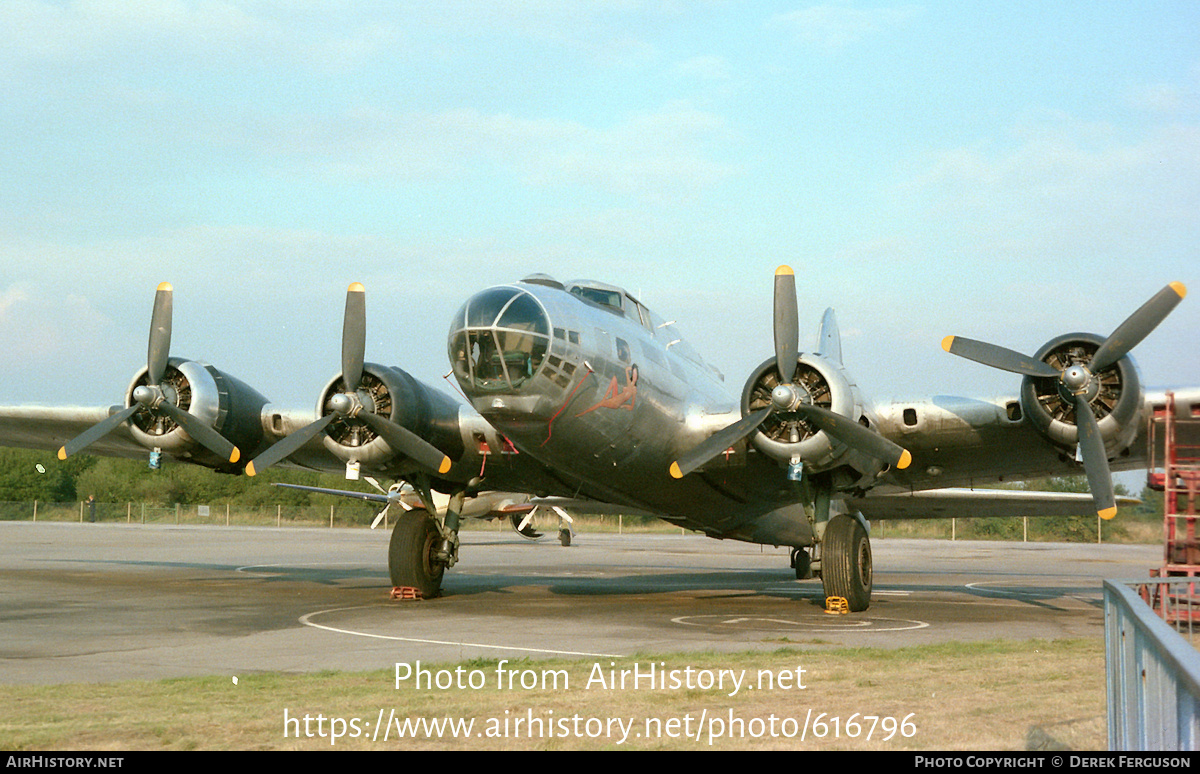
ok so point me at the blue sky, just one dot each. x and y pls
(1005, 171)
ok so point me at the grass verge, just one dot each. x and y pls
(996, 695)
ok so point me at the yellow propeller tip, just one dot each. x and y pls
(250, 468)
(165, 286)
(62, 453)
(356, 287)
(1179, 288)
(905, 460)
(1108, 513)
(675, 471)
(784, 270)
(444, 468)
(947, 343)
(236, 455)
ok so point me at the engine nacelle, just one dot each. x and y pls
(221, 401)
(393, 394)
(784, 436)
(1115, 395)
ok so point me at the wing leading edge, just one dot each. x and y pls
(977, 503)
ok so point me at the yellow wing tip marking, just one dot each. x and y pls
(905, 460)
(235, 455)
(1108, 513)
(62, 453)
(356, 287)
(675, 471)
(1179, 288)
(250, 468)
(947, 343)
(784, 270)
(444, 468)
(165, 286)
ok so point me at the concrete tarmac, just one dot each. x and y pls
(104, 602)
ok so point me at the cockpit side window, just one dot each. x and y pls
(609, 298)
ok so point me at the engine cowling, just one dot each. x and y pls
(785, 435)
(217, 399)
(1115, 395)
(395, 395)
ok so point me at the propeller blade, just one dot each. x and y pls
(787, 325)
(160, 334)
(354, 336)
(997, 357)
(856, 436)
(1095, 459)
(407, 443)
(288, 445)
(96, 432)
(1138, 326)
(203, 434)
(718, 443)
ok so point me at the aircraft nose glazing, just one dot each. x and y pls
(499, 340)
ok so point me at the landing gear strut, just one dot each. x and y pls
(846, 562)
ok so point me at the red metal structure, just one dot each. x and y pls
(1174, 470)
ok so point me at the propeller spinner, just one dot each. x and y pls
(790, 397)
(1079, 381)
(157, 397)
(350, 404)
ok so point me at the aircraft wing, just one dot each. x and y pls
(48, 428)
(965, 442)
(975, 503)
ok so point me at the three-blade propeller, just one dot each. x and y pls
(1078, 380)
(155, 396)
(791, 398)
(349, 404)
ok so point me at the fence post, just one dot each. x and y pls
(226, 514)
(81, 511)
(278, 514)
(128, 513)
(331, 517)
(35, 510)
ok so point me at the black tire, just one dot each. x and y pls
(802, 563)
(415, 542)
(564, 537)
(846, 562)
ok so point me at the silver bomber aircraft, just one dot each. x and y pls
(581, 395)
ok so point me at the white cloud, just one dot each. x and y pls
(834, 27)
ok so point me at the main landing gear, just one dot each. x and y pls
(846, 562)
(417, 553)
(423, 546)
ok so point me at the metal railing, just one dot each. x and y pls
(1152, 671)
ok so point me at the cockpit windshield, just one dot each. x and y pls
(499, 339)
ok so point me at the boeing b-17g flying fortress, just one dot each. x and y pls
(579, 393)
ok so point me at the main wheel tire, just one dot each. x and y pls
(846, 562)
(564, 537)
(411, 554)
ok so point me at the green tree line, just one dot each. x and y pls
(27, 475)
